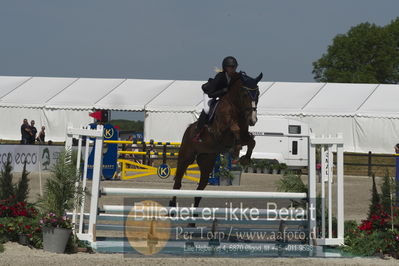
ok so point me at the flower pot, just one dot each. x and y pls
(224, 180)
(23, 239)
(55, 239)
(236, 177)
(81, 249)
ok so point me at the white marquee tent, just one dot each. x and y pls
(367, 114)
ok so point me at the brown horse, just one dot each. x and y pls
(228, 132)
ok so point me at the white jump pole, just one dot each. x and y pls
(288, 213)
(77, 172)
(311, 190)
(340, 192)
(329, 185)
(96, 184)
(87, 148)
(202, 193)
(323, 192)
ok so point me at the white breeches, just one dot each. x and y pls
(207, 102)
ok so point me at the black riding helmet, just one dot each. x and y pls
(229, 62)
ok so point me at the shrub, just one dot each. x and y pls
(17, 216)
(386, 197)
(369, 243)
(19, 192)
(375, 197)
(350, 231)
(291, 183)
(379, 233)
(12, 227)
(10, 209)
(283, 166)
(6, 186)
(61, 193)
(22, 189)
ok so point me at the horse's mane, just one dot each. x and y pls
(232, 96)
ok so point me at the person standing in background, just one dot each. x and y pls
(33, 132)
(42, 135)
(152, 157)
(25, 132)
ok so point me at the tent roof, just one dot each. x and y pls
(338, 99)
(8, 84)
(287, 97)
(133, 94)
(383, 102)
(36, 92)
(182, 96)
(83, 93)
(277, 98)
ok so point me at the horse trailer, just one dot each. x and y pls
(281, 139)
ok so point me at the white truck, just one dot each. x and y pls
(281, 139)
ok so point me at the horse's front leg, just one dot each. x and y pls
(250, 142)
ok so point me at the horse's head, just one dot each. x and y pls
(249, 96)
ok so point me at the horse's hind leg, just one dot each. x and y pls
(206, 162)
(184, 160)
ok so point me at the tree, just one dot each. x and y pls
(22, 189)
(6, 186)
(367, 53)
(375, 198)
(386, 200)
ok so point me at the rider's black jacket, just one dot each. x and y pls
(217, 86)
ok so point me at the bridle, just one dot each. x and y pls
(254, 94)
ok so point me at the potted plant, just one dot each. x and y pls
(81, 246)
(275, 168)
(246, 169)
(236, 172)
(61, 194)
(254, 166)
(267, 166)
(223, 172)
(24, 229)
(283, 168)
(262, 166)
(56, 232)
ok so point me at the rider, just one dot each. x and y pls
(215, 88)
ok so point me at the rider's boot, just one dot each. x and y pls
(200, 125)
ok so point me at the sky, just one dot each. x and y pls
(176, 39)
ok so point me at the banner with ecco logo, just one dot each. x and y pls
(38, 157)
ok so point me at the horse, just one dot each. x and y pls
(228, 132)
